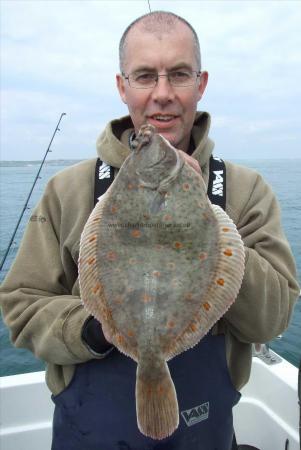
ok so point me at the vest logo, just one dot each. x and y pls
(104, 171)
(218, 183)
(195, 415)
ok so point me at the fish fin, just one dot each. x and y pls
(121, 341)
(222, 289)
(156, 403)
(91, 288)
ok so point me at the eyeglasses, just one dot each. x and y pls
(148, 80)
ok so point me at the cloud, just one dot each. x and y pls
(254, 126)
(63, 56)
(32, 132)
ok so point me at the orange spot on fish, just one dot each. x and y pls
(206, 306)
(113, 209)
(112, 256)
(226, 229)
(120, 339)
(146, 298)
(156, 273)
(188, 296)
(92, 238)
(91, 261)
(130, 186)
(132, 261)
(186, 187)
(131, 333)
(118, 300)
(149, 391)
(161, 390)
(167, 217)
(107, 314)
(206, 217)
(96, 288)
(170, 324)
(193, 327)
(228, 252)
(178, 245)
(136, 233)
(203, 256)
(220, 281)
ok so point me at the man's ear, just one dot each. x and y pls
(121, 87)
(203, 83)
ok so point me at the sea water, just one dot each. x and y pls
(16, 179)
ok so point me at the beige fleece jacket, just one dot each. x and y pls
(40, 296)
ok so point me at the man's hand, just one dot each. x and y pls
(191, 161)
(93, 336)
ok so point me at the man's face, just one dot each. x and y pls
(170, 109)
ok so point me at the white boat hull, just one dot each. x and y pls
(268, 412)
(266, 416)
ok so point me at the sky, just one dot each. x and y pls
(62, 56)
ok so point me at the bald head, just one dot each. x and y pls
(157, 23)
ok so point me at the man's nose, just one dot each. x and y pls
(163, 92)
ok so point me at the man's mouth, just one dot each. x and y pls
(162, 121)
(163, 117)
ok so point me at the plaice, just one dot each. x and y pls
(159, 265)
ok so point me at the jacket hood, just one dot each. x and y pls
(113, 143)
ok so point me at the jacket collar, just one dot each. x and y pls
(113, 143)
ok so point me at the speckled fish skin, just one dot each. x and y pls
(159, 265)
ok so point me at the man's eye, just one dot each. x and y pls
(144, 77)
(180, 75)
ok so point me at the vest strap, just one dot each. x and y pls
(217, 182)
(104, 176)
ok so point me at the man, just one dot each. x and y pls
(161, 82)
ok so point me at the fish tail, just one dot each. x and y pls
(156, 403)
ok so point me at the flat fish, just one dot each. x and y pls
(159, 265)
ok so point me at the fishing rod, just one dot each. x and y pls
(149, 6)
(299, 400)
(29, 195)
